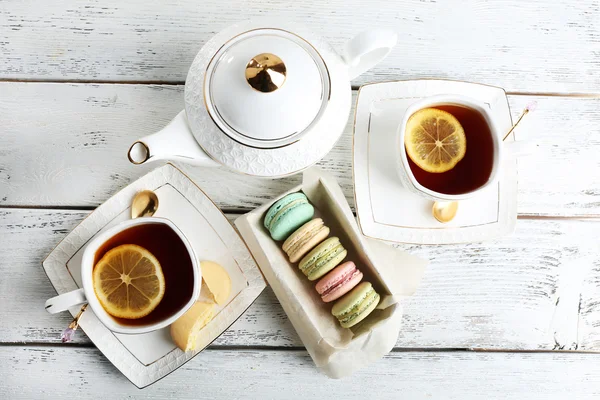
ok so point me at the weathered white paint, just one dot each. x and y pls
(535, 46)
(65, 144)
(77, 373)
(534, 290)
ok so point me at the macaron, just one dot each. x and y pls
(323, 258)
(339, 281)
(287, 215)
(356, 305)
(305, 238)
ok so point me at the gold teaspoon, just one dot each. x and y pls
(144, 204)
(445, 211)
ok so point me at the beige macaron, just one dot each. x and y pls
(305, 238)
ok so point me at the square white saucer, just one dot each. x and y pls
(146, 358)
(385, 209)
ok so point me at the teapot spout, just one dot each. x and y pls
(174, 142)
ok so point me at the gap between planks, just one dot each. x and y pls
(235, 211)
(303, 349)
(353, 87)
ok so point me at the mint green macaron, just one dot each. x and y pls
(356, 305)
(322, 258)
(288, 214)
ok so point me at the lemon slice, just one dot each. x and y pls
(129, 282)
(434, 140)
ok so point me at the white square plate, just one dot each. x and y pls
(146, 358)
(384, 208)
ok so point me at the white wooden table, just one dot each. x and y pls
(515, 318)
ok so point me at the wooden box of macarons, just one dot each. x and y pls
(341, 290)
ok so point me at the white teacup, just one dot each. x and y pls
(87, 295)
(500, 148)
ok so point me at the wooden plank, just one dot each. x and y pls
(63, 373)
(535, 46)
(534, 290)
(65, 144)
(561, 177)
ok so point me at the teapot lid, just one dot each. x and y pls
(265, 88)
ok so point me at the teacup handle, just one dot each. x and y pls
(367, 49)
(520, 148)
(65, 301)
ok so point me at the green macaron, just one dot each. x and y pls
(287, 215)
(322, 258)
(356, 305)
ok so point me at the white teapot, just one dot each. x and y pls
(264, 98)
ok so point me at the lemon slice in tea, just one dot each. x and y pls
(129, 282)
(434, 140)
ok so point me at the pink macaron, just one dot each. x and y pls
(339, 281)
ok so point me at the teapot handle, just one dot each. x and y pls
(367, 49)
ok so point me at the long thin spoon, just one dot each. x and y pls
(529, 108)
(445, 211)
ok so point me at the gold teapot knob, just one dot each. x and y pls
(265, 72)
